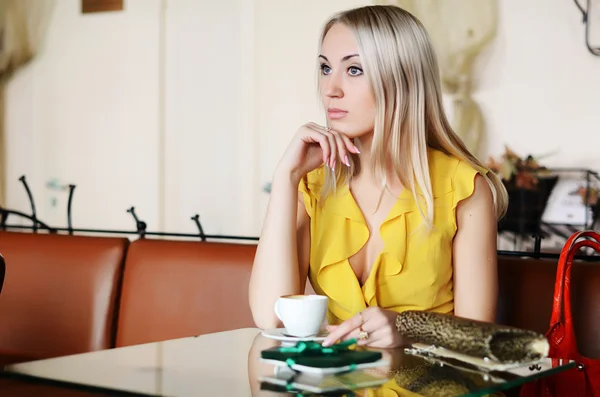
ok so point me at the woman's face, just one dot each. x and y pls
(345, 90)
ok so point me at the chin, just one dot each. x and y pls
(350, 131)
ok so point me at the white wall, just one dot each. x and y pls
(238, 79)
(86, 112)
(540, 87)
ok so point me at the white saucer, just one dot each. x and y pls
(280, 334)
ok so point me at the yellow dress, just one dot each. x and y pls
(413, 271)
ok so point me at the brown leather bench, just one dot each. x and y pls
(59, 295)
(174, 289)
(63, 294)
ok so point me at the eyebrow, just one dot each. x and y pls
(343, 59)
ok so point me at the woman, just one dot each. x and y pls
(384, 209)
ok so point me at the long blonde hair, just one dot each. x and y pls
(400, 63)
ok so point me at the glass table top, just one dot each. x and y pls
(227, 363)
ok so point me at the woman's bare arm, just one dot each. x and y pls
(282, 257)
(475, 256)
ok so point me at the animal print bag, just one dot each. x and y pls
(480, 343)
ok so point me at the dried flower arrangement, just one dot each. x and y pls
(524, 173)
(519, 172)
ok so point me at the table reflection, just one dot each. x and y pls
(407, 375)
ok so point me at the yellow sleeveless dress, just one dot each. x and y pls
(413, 271)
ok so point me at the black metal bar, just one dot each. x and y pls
(594, 50)
(545, 255)
(140, 225)
(537, 245)
(582, 10)
(33, 212)
(196, 219)
(3, 218)
(160, 234)
(586, 200)
(206, 236)
(585, 20)
(2, 272)
(527, 254)
(69, 217)
(522, 213)
(4, 212)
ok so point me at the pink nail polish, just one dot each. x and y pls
(347, 162)
(355, 148)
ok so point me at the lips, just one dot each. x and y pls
(335, 114)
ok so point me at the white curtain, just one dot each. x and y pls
(459, 30)
(22, 27)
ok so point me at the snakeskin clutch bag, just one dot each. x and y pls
(487, 341)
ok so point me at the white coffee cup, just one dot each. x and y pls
(302, 315)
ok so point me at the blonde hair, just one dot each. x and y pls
(400, 63)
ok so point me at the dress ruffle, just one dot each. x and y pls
(339, 231)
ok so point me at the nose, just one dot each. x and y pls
(333, 86)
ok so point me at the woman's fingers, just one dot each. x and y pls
(374, 325)
(342, 149)
(376, 337)
(373, 332)
(342, 330)
(328, 147)
(340, 145)
(319, 137)
(330, 159)
(354, 334)
(334, 149)
(349, 144)
(373, 338)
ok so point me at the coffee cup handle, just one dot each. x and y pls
(276, 308)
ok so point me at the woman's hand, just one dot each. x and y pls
(379, 325)
(312, 146)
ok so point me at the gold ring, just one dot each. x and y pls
(363, 335)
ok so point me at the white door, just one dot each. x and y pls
(209, 130)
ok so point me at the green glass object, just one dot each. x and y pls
(312, 354)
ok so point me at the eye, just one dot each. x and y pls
(355, 71)
(325, 69)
